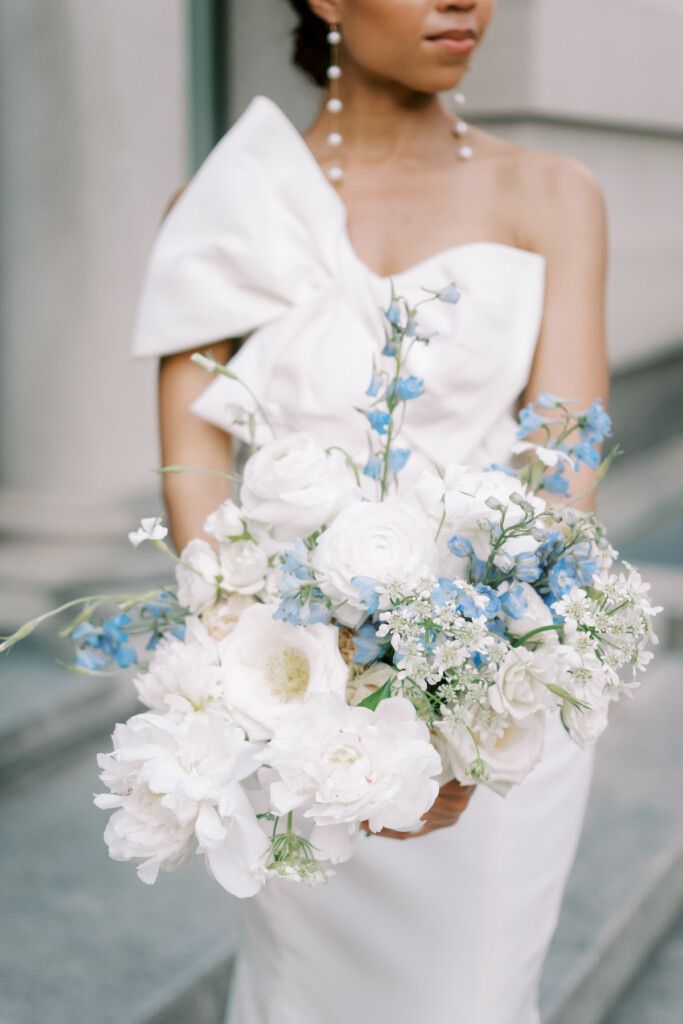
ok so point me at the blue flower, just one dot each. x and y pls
(563, 576)
(398, 458)
(289, 610)
(586, 567)
(393, 313)
(126, 656)
(598, 423)
(82, 630)
(178, 631)
(369, 597)
(294, 561)
(373, 467)
(411, 327)
(460, 546)
(406, 388)
(585, 452)
(443, 592)
(391, 346)
(527, 567)
(379, 420)
(492, 600)
(551, 547)
(289, 586)
(529, 420)
(89, 660)
(555, 483)
(514, 601)
(374, 385)
(547, 401)
(320, 611)
(503, 469)
(152, 642)
(369, 646)
(450, 293)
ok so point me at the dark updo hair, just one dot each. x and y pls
(311, 49)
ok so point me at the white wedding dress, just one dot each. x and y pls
(451, 927)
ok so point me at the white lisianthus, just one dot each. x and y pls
(272, 668)
(508, 752)
(521, 682)
(294, 486)
(351, 764)
(183, 677)
(536, 615)
(208, 573)
(381, 540)
(149, 529)
(225, 522)
(177, 783)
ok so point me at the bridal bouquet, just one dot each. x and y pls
(341, 650)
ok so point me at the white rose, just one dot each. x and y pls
(536, 615)
(225, 522)
(509, 756)
(234, 567)
(382, 540)
(520, 688)
(584, 727)
(271, 668)
(351, 764)
(294, 486)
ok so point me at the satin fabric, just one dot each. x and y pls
(452, 927)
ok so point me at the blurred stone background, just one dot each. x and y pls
(105, 110)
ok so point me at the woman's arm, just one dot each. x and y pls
(187, 440)
(569, 227)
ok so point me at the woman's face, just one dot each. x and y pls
(392, 40)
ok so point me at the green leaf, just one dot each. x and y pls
(373, 699)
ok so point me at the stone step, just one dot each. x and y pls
(626, 887)
(656, 994)
(83, 939)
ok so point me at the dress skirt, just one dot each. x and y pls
(447, 928)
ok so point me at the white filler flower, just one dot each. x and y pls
(177, 785)
(271, 668)
(352, 764)
(294, 486)
(383, 540)
(149, 529)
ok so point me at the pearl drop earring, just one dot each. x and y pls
(460, 127)
(334, 104)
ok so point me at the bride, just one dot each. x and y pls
(280, 255)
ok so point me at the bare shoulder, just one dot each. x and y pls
(560, 199)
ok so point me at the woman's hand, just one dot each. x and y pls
(452, 800)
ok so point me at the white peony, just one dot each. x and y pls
(352, 764)
(510, 752)
(177, 785)
(272, 668)
(294, 486)
(381, 540)
(521, 688)
(240, 567)
(183, 676)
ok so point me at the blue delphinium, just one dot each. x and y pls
(406, 388)
(379, 420)
(374, 466)
(529, 420)
(598, 424)
(367, 588)
(397, 459)
(369, 646)
(110, 640)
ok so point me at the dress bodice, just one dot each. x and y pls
(257, 248)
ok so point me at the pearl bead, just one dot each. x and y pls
(334, 139)
(334, 37)
(459, 98)
(335, 174)
(334, 71)
(334, 105)
(460, 127)
(465, 152)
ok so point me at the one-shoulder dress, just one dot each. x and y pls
(451, 927)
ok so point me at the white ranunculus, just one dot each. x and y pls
(208, 573)
(271, 668)
(294, 486)
(520, 688)
(536, 615)
(509, 757)
(183, 677)
(382, 540)
(349, 764)
(176, 782)
(224, 522)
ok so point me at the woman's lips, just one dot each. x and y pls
(448, 44)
